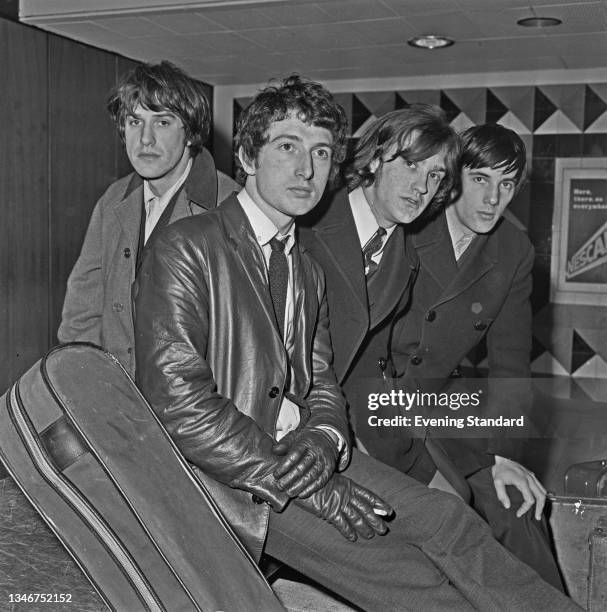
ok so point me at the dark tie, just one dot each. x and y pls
(374, 245)
(278, 274)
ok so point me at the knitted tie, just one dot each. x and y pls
(278, 274)
(372, 247)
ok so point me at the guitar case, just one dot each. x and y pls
(92, 458)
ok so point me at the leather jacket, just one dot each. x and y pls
(212, 364)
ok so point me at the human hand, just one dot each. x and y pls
(507, 472)
(311, 457)
(353, 510)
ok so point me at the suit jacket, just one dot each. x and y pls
(98, 305)
(213, 365)
(361, 319)
(454, 306)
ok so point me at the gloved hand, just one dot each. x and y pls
(353, 510)
(311, 457)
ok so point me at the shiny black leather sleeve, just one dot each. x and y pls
(177, 313)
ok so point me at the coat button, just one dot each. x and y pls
(127, 252)
(274, 391)
(430, 316)
(256, 499)
(479, 326)
(117, 307)
(130, 350)
(416, 359)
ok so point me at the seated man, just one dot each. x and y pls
(234, 355)
(474, 282)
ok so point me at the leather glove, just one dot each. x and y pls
(311, 457)
(349, 508)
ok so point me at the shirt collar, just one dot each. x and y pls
(263, 228)
(456, 229)
(148, 194)
(364, 219)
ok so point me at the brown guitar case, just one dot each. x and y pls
(92, 458)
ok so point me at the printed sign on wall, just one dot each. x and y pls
(579, 232)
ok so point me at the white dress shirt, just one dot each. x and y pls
(461, 236)
(155, 205)
(366, 224)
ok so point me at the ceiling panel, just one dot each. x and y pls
(249, 41)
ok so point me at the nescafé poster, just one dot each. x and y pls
(579, 261)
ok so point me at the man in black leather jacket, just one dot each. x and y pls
(234, 355)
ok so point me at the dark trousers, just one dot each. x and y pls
(526, 538)
(438, 554)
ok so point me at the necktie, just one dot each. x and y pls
(370, 249)
(278, 274)
(462, 244)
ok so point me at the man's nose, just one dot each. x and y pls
(147, 135)
(420, 184)
(492, 195)
(305, 167)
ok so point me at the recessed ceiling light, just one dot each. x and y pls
(430, 41)
(539, 22)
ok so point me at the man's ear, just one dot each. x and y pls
(374, 165)
(247, 165)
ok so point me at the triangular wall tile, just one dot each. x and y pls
(399, 102)
(581, 352)
(378, 102)
(512, 122)
(496, 109)
(547, 364)
(599, 126)
(462, 122)
(472, 101)
(520, 101)
(594, 107)
(593, 368)
(360, 114)
(558, 123)
(596, 339)
(569, 100)
(543, 109)
(427, 96)
(451, 109)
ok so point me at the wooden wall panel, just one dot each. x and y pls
(82, 152)
(24, 273)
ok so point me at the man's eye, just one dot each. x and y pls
(436, 176)
(478, 179)
(286, 146)
(508, 185)
(133, 122)
(163, 122)
(323, 153)
(410, 164)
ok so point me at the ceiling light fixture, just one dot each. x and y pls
(430, 41)
(539, 22)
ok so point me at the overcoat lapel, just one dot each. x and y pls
(337, 233)
(433, 244)
(239, 231)
(390, 281)
(305, 313)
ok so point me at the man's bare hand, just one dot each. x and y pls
(507, 472)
